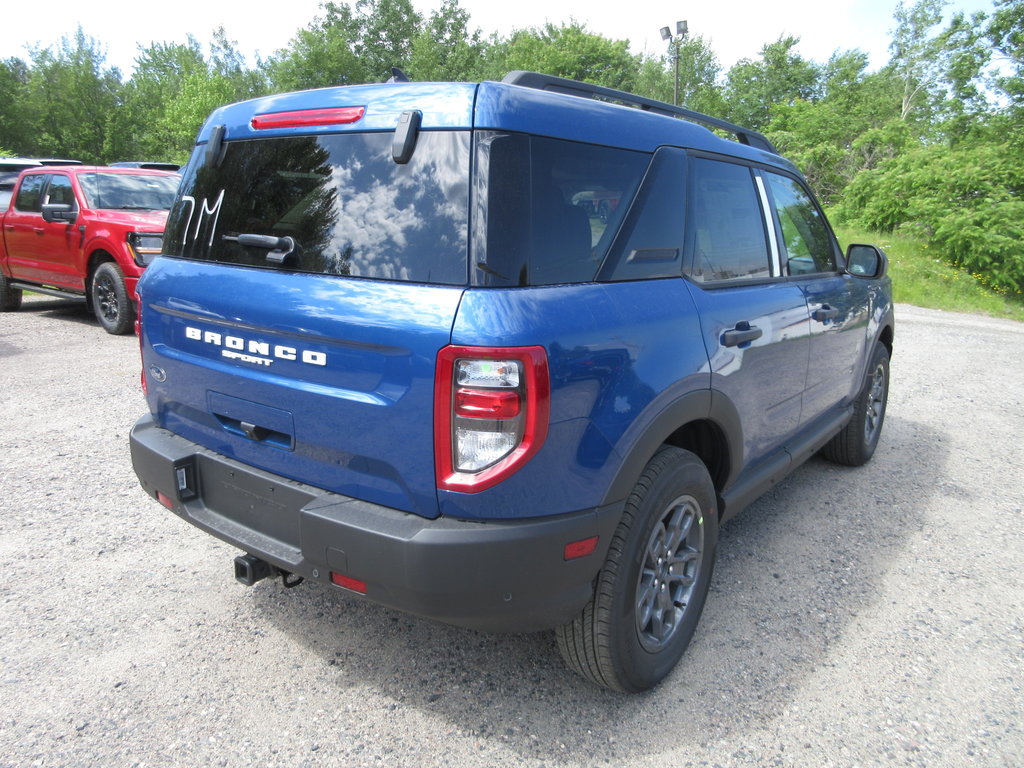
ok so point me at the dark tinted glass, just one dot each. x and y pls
(728, 240)
(805, 237)
(651, 241)
(127, 192)
(60, 190)
(350, 209)
(29, 193)
(547, 210)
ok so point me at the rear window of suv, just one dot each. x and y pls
(350, 209)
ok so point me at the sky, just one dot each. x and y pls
(735, 30)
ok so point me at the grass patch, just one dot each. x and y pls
(920, 277)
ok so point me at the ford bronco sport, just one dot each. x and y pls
(393, 346)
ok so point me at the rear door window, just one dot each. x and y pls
(728, 238)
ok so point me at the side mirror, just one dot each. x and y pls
(59, 212)
(866, 261)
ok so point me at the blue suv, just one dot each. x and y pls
(503, 355)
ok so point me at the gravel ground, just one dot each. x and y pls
(857, 617)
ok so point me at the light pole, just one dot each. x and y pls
(674, 43)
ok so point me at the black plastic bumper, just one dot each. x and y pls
(495, 575)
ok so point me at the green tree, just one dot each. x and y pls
(140, 129)
(200, 93)
(388, 28)
(227, 63)
(915, 57)
(699, 73)
(967, 201)
(15, 130)
(321, 55)
(1006, 32)
(569, 50)
(445, 49)
(70, 97)
(847, 129)
(780, 77)
(966, 54)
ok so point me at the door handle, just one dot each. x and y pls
(825, 312)
(743, 332)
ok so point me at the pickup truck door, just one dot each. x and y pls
(60, 245)
(41, 251)
(24, 231)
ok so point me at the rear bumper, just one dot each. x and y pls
(497, 576)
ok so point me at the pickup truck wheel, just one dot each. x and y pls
(110, 299)
(652, 587)
(855, 444)
(10, 298)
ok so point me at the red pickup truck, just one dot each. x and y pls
(84, 231)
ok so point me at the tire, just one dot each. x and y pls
(10, 298)
(645, 607)
(110, 300)
(855, 444)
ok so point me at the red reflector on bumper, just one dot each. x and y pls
(580, 548)
(165, 500)
(349, 583)
(307, 117)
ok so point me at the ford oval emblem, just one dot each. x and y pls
(158, 373)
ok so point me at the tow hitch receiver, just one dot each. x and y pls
(249, 569)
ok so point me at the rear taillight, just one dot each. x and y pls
(490, 413)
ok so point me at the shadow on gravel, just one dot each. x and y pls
(74, 310)
(793, 571)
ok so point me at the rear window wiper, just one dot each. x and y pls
(280, 248)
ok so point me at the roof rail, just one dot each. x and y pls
(589, 91)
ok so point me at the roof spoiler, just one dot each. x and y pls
(589, 91)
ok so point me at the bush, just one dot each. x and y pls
(967, 202)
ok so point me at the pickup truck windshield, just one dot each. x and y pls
(128, 192)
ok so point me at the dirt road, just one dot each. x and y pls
(867, 617)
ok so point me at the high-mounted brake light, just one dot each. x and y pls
(302, 118)
(490, 413)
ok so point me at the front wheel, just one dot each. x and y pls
(856, 442)
(652, 587)
(110, 299)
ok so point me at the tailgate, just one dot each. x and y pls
(321, 379)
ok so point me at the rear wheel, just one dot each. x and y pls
(110, 299)
(10, 298)
(652, 588)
